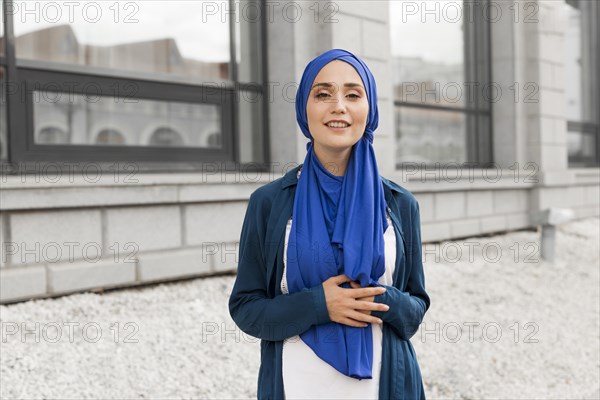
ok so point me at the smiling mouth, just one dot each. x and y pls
(337, 125)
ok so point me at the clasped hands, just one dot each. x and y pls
(352, 306)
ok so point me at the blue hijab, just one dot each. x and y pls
(338, 225)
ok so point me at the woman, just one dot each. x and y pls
(333, 293)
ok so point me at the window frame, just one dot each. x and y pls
(478, 113)
(24, 156)
(590, 127)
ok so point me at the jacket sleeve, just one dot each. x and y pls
(407, 308)
(252, 310)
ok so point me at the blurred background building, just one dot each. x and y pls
(132, 133)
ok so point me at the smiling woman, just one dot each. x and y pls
(336, 301)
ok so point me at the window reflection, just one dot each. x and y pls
(72, 119)
(3, 127)
(1, 32)
(581, 145)
(110, 137)
(430, 136)
(161, 41)
(52, 135)
(166, 137)
(573, 70)
(428, 56)
(579, 69)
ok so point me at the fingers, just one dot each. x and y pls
(367, 305)
(339, 279)
(366, 292)
(358, 316)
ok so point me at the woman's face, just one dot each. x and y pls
(338, 95)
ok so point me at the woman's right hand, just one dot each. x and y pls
(343, 304)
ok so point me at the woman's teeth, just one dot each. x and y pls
(337, 124)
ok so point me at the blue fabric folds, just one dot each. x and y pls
(337, 226)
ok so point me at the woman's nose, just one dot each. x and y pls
(339, 104)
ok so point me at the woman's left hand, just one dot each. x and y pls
(356, 285)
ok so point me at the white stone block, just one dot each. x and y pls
(548, 197)
(449, 205)
(346, 33)
(214, 222)
(464, 228)
(226, 258)
(147, 228)
(433, 232)
(480, 203)
(558, 76)
(82, 275)
(554, 157)
(21, 283)
(510, 201)
(517, 221)
(577, 196)
(375, 40)
(493, 224)
(551, 47)
(375, 10)
(168, 264)
(592, 195)
(549, 15)
(546, 78)
(53, 236)
(552, 102)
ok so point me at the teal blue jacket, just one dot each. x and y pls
(260, 309)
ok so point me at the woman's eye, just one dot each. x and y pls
(321, 95)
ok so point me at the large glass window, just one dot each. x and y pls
(143, 36)
(59, 119)
(146, 81)
(3, 128)
(442, 85)
(581, 76)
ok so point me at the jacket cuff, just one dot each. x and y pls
(320, 305)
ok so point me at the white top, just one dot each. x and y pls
(306, 376)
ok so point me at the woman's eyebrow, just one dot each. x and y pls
(329, 85)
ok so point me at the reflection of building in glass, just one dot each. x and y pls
(428, 135)
(3, 127)
(60, 44)
(64, 119)
(131, 122)
(422, 81)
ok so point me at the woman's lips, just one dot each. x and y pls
(338, 129)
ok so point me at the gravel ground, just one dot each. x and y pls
(502, 325)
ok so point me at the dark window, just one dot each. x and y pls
(442, 86)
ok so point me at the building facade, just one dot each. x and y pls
(132, 137)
